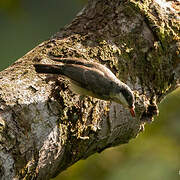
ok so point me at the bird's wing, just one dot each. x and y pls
(89, 64)
(48, 68)
(88, 78)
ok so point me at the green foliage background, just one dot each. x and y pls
(153, 155)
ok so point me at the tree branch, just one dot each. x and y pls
(46, 128)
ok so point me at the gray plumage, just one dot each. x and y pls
(90, 78)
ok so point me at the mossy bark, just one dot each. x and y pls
(45, 128)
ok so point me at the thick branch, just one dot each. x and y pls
(45, 127)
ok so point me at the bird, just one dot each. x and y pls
(89, 78)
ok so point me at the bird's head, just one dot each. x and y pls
(125, 96)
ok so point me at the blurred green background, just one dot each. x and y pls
(153, 155)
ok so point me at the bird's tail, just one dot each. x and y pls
(48, 68)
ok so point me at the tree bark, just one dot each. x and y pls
(45, 128)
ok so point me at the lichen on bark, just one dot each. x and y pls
(45, 127)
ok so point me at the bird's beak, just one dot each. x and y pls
(132, 111)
